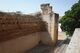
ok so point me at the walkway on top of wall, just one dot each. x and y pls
(74, 45)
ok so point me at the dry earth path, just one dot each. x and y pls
(60, 47)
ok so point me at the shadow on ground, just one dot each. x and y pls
(42, 48)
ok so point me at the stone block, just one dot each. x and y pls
(74, 45)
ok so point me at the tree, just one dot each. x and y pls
(71, 19)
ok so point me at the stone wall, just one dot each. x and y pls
(13, 26)
(51, 20)
(20, 32)
(20, 44)
(74, 45)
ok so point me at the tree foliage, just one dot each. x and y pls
(71, 19)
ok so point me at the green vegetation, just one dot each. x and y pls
(71, 19)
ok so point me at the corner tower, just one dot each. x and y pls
(51, 19)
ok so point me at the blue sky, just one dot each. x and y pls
(31, 6)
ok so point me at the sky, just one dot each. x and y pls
(32, 6)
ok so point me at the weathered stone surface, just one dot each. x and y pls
(74, 45)
(14, 26)
(20, 44)
(51, 20)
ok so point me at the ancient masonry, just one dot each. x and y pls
(20, 32)
(51, 20)
(74, 45)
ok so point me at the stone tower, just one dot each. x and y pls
(51, 19)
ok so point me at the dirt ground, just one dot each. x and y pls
(41, 48)
(61, 36)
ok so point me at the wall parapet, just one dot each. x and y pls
(74, 45)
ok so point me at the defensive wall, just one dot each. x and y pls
(20, 32)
